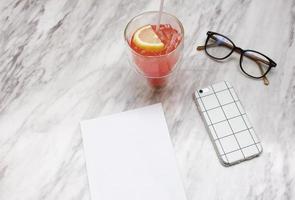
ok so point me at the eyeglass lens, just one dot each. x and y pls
(254, 64)
(218, 46)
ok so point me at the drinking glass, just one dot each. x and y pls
(156, 69)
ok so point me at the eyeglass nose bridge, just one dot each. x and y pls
(238, 49)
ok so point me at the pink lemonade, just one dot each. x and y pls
(157, 65)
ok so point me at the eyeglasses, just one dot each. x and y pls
(253, 63)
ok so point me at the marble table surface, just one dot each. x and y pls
(62, 61)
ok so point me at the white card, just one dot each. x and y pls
(129, 156)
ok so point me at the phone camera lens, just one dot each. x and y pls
(201, 91)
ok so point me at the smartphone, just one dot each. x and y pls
(230, 131)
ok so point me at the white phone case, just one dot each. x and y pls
(231, 133)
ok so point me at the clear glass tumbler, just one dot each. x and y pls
(156, 69)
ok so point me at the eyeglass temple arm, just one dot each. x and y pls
(264, 78)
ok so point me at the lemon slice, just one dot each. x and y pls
(146, 39)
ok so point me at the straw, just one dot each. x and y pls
(160, 15)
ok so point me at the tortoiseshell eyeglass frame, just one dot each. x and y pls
(269, 62)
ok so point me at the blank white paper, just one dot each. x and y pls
(129, 156)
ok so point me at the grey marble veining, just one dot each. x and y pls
(62, 61)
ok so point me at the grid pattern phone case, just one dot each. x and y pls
(230, 131)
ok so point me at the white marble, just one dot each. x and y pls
(62, 61)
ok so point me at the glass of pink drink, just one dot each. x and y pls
(156, 67)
